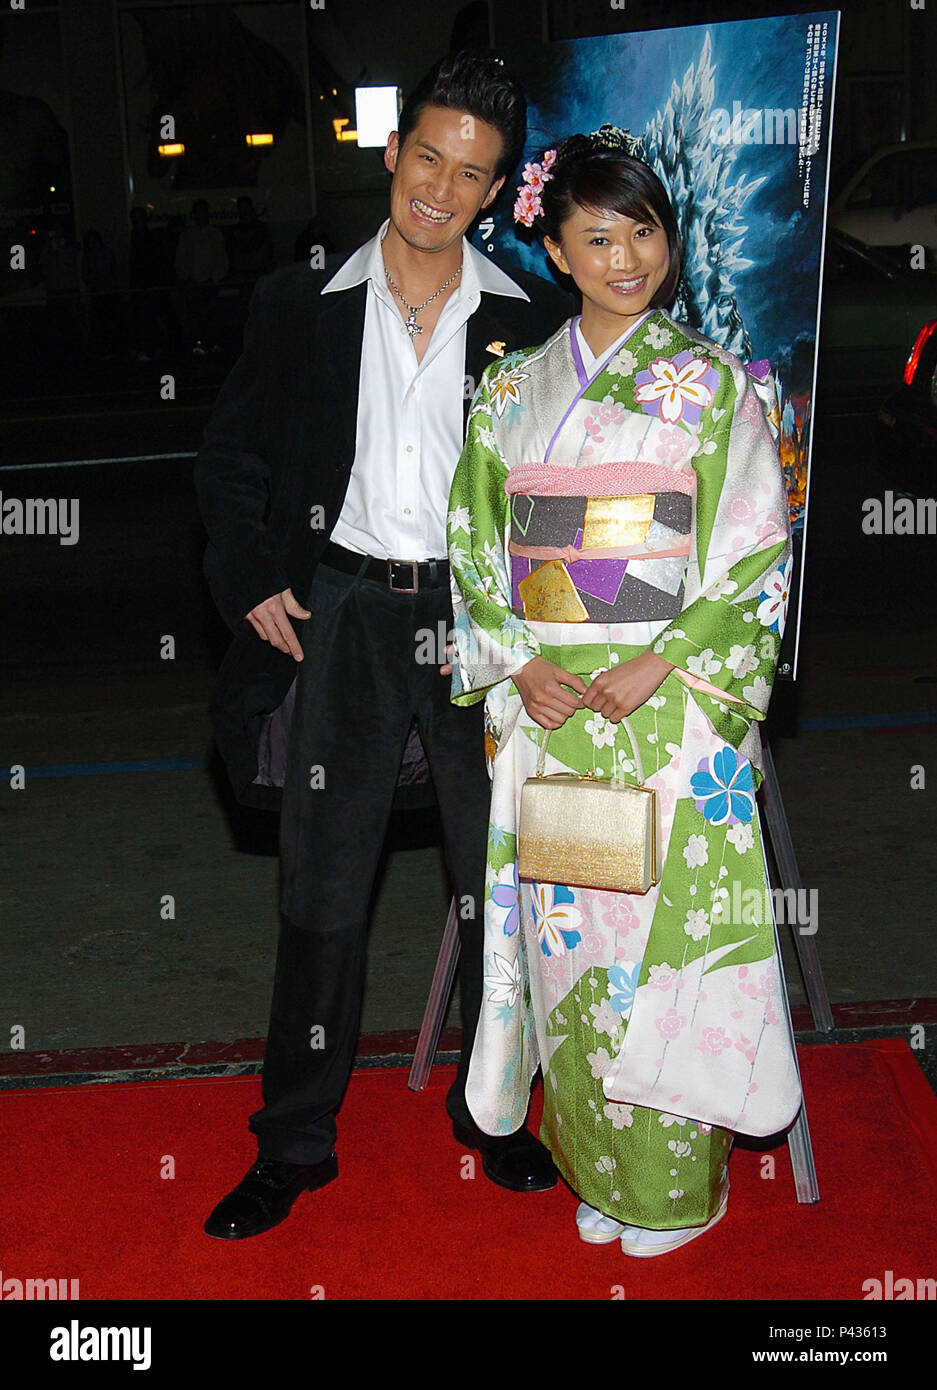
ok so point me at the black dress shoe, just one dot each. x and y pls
(264, 1197)
(517, 1161)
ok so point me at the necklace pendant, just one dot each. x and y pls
(412, 325)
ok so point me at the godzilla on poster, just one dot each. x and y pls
(735, 119)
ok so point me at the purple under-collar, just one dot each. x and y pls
(585, 379)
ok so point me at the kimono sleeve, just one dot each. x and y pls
(491, 642)
(726, 640)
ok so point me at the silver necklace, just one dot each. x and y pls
(413, 309)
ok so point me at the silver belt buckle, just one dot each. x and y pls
(414, 575)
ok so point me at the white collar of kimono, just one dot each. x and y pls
(578, 348)
(478, 274)
(591, 364)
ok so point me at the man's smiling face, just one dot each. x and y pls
(443, 177)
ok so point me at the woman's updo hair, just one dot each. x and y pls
(592, 172)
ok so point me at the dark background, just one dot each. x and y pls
(124, 804)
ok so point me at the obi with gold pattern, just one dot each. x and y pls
(599, 559)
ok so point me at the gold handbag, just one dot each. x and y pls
(587, 832)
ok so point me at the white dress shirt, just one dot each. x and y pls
(409, 432)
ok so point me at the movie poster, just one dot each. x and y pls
(736, 121)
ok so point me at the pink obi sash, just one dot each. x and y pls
(597, 480)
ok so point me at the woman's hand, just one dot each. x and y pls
(542, 687)
(619, 691)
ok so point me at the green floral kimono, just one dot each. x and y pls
(595, 514)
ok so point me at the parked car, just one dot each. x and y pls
(907, 421)
(872, 307)
(891, 200)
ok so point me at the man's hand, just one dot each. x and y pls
(271, 621)
(621, 690)
(446, 670)
(542, 687)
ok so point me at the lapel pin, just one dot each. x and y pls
(497, 347)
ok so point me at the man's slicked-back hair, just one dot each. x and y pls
(482, 86)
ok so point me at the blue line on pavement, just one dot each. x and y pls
(93, 463)
(805, 726)
(867, 721)
(131, 765)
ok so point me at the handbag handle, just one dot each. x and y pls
(541, 761)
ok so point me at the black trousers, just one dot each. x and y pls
(359, 686)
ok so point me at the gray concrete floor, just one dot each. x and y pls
(86, 861)
(87, 960)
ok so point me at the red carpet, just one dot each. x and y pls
(84, 1199)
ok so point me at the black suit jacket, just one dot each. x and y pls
(280, 443)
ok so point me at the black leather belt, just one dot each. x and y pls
(400, 576)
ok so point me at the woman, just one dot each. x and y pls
(620, 546)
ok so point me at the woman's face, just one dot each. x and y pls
(617, 263)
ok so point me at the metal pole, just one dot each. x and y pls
(789, 875)
(437, 1003)
(798, 1136)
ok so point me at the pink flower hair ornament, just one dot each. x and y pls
(528, 206)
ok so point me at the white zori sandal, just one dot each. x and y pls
(595, 1227)
(643, 1243)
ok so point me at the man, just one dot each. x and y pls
(145, 282)
(324, 483)
(201, 262)
(250, 249)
